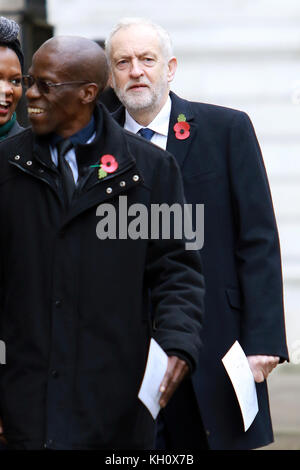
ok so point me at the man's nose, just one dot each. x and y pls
(136, 69)
(33, 92)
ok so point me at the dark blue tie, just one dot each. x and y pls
(68, 182)
(146, 133)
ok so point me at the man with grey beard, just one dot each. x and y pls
(222, 168)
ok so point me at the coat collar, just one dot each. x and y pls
(119, 115)
(16, 128)
(178, 148)
(110, 139)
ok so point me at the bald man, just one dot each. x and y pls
(74, 292)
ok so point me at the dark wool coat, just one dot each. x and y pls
(223, 169)
(74, 308)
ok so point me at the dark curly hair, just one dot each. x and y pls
(9, 31)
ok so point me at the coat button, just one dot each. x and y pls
(54, 373)
(57, 303)
(17, 157)
(109, 190)
(122, 184)
(29, 163)
(135, 178)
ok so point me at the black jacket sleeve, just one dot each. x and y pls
(257, 249)
(175, 276)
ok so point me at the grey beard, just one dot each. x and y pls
(143, 103)
(133, 103)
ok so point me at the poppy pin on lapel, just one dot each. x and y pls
(108, 164)
(182, 128)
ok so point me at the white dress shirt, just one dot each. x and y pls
(160, 125)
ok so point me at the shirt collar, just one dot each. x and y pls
(160, 123)
(80, 137)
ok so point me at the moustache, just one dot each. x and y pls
(133, 83)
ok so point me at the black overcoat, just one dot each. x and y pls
(222, 168)
(74, 308)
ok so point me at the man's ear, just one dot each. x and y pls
(89, 92)
(172, 67)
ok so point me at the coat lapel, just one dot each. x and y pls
(93, 190)
(110, 141)
(180, 148)
(119, 115)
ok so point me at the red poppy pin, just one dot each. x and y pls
(108, 164)
(182, 128)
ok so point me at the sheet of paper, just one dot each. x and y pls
(238, 369)
(156, 367)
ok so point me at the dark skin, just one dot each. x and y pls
(10, 82)
(67, 109)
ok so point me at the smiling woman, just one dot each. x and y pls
(11, 64)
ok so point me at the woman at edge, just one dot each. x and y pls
(11, 66)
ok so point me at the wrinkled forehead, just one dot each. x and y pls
(135, 38)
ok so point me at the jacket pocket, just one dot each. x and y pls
(234, 298)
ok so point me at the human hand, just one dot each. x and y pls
(261, 366)
(176, 370)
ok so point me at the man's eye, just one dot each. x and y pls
(148, 60)
(16, 81)
(122, 63)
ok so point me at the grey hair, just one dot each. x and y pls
(163, 35)
(9, 30)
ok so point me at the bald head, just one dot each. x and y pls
(77, 58)
(68, 73)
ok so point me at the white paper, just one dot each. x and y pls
(156, 367)
(240, 374)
